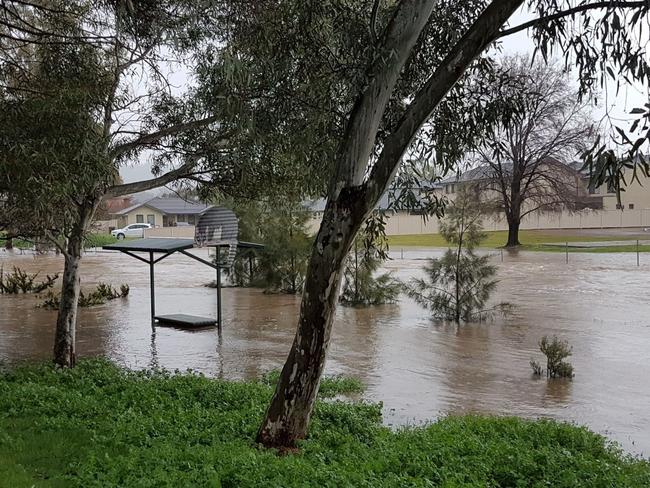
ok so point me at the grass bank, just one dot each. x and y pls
(91, 240)
(100, 426)
(532, 240)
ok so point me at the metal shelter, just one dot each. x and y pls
(157, 249)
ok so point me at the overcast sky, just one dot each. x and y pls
(618, 105)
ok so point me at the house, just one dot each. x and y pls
(162, 212)
(410, 201)
(551, 171)
(635, 194)
(396, 201)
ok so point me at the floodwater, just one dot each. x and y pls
(420, 369)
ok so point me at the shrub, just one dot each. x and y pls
(361, 284)
(19, 281)
(458, 286)
(556, 351)
(100, 295)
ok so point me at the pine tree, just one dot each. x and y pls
(360, 285)
(458, 286)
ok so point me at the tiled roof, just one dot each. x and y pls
(170, 206)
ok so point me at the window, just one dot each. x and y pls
(181, 218)
(151, 219)
(631, 206)
(139, 218)
(191, 219)
(611, 187)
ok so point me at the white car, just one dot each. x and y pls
(132, 230)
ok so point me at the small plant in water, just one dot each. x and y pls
(556, 351)
(19, 281)
(99, 296)
(362, 285)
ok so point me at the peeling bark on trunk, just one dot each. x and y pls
(64, 343)
(351, 196)
(287, 417)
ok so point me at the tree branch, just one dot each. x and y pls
(480, 35)
(373, 21)
(153, 137)
(358, 141)
(144, 185)
(571, 11)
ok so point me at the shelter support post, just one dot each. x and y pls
(152, 287)
(218, 261)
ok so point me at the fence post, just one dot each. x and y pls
(567, 252)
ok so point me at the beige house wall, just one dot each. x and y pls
(131, 217)
(637, 194)
(403, 224)
(183, 232)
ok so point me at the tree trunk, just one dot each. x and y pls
(66, 322)
(513, 233)
(287, 417)
(64, 342)
(9, 243)
(353, 192)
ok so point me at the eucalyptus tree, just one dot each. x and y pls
(84, 90)
(357, 85)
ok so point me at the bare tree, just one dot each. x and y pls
(523, 165)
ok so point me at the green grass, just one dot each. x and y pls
(595, 249)
(100, 426)
(99, 240)
(91, 240)
(330, 386)
(17, 243)
(531, 240)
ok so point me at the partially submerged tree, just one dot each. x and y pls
(458, 285)
(282, 227)
(362, 286)
(556, 351)
(286, 239)
(524, 165)
(380, 107)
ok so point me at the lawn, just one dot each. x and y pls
(531, 240)
(101, 426)
(91, 240)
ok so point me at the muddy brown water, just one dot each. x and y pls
(420, 369)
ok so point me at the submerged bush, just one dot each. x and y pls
(362, 285)
(100, 426)
(19, 281)
(556, 351)
(98, 296)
